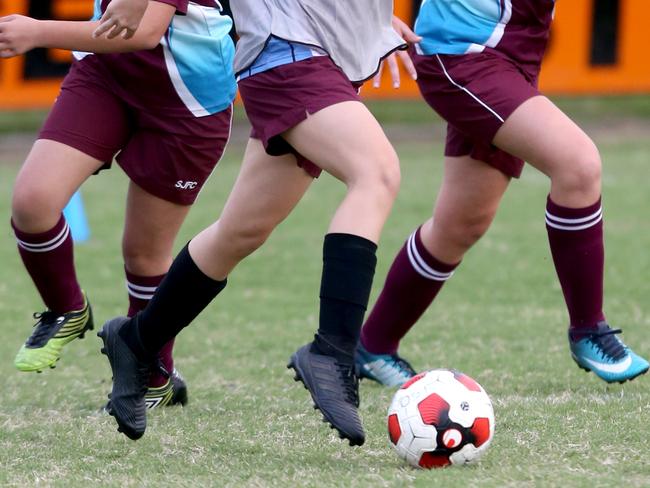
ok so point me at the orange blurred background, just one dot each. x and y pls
(570, 66)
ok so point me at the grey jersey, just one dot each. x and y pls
(356, 34)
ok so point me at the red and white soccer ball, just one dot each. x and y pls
(439, 418)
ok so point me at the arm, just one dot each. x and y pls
(19, 34)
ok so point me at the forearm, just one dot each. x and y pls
(77, 36)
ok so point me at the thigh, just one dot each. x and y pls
(540, 133)
(345, 140)
(281, 98)
(45, 183)
(150, 227)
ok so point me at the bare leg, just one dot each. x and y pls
(346, 141)
(465, 208)
(266, 191)
(50, 175)
(150, 228)
(542, 135)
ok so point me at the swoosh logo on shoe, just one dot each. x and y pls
(611, 368)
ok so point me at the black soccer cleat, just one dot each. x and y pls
(334, 388)
(173, 392)
(130, 378)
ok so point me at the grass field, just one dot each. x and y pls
(501, 319)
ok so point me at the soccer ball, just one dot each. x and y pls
(439, 418)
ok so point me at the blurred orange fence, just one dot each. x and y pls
(597, 47)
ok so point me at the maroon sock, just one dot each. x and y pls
(414, 280)
(141, 289)
(49, 260)
(576, 239)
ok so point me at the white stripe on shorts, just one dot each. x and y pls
(481, 102)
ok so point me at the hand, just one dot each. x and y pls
(410, 37)
(18, 34)
(121, 17)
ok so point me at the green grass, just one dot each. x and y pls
(500, 319)
(414, 112)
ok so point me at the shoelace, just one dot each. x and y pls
(403, 365)
(350, 382)
(46, 322)
(608, 344)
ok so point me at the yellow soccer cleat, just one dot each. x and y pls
(52, 332)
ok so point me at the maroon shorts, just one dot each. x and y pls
(170, 157)
(280, 98)
(475, 93)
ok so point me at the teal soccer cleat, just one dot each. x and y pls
(385, 369)
(606, 355)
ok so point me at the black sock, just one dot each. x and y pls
(348, 269)
(181, 296)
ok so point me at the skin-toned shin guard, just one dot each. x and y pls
(49, 260)
(575, 236)
(413, 281)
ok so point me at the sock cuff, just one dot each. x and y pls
(210, 285)
(335, 241)
(425, 264)
(573, 219)
(42, 241)
(142, 287)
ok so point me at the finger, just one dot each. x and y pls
(408, 64)
(8, 52)
(7, 18)
(394, 70)
(376, 81)
(104, 26)
(129, 32)
(115, 31)
(409, 36)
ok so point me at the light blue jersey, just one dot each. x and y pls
(461, 26)
(195, 55)
(199, 57)
(518, 28)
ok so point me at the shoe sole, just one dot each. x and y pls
(121, 428)
(89, 326)
(589, 370)
(293, 364)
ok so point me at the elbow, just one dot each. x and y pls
(151, 40)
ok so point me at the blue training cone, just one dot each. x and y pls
(76, 216)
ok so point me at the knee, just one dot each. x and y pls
(465, 231)
(381, 180)
(245, 238)
(33, 210)
(581, 174)
(141, 261)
